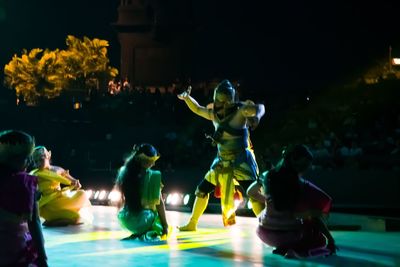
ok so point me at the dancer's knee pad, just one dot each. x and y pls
(201, 194)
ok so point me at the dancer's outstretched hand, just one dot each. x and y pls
(253, 122)
(185, 94)
(76, 184)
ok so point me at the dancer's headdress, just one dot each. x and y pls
(225, 88)
(146, 152)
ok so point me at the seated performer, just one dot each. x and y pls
(234, 163)
(59, 206)
(293, 219)
(142, 209)
(20, 230)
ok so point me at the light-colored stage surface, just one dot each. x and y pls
(99, 244)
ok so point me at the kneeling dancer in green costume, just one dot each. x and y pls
(142, 207)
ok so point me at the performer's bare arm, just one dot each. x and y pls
(65, 173)
(163, 218)
(250, 109)
(253, 112)
(194, 106)
(255, 192)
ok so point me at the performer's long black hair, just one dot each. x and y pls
(129, 176)
(282, 183)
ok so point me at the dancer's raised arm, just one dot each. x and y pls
(194, 106)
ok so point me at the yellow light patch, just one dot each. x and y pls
(176, 240)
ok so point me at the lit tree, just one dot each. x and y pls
(86, 62)
(36, 74)
(381, 71)
(44, 74)
(376, 72)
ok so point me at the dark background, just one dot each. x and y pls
(279, 44)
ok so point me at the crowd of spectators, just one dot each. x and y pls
(361, 132)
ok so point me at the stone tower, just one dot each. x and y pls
(154, 49)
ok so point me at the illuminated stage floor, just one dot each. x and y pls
(99, 244)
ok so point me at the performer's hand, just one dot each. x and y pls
(332, 247)
(165, 230)
(253, 122)
(76, 184)
(184, 95)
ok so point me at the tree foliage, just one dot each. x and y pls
(87, 60)
(38, 73)
(45, 74)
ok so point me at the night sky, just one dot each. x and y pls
(285, 44)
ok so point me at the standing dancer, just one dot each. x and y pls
(235, 162)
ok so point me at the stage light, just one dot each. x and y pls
(395, 61)
(77, 105)
(168, 200)
(89, 193)
(173, 199)
(249, 205)
(114, 196)
(102, 195)
(237, 203)
(186, 199)
(177, 201)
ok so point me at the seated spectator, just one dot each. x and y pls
(322, 157)
(352, 150)
(350, 153)
(126, 86)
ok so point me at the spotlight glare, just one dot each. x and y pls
(175, 198)
(237, 202)
(89, 193)
(249, 205)
(114, 196)
(186, 199)
(96, 195)
(102, 194)
(168, 201)
(395, 61)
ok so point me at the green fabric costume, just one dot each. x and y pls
(146, 223)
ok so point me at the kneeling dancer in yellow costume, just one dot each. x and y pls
(58, 205)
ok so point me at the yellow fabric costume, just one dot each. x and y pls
(234, 162)
(58, 203)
